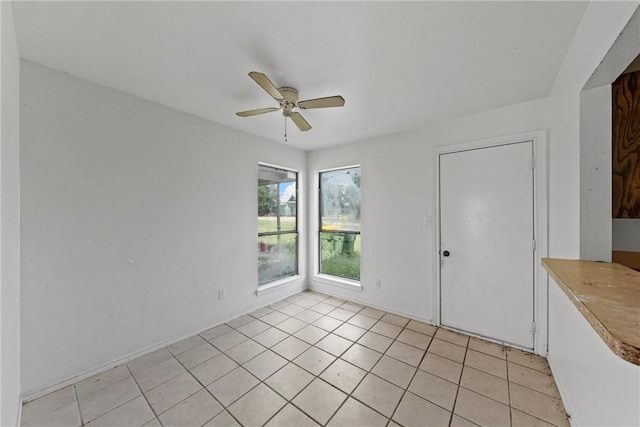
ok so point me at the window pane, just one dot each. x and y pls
(277, 256)
(277, 213)
(277, 199)
(340, 254)
(340, 200)
(270, 223)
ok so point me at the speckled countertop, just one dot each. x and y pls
(608, 296)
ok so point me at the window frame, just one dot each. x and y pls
(319, 273)
(295, 231)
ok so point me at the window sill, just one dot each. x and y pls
(340, 282)
(278, 284)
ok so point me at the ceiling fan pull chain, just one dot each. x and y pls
(285, 130)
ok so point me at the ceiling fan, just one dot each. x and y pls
(287, 97)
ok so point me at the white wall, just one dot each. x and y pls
(10, 225)
(599, 28)
(626, 231)
(596, 228)
(398, 203)
(595, 174)
(626, 234)
(134, 215)
(598, 388)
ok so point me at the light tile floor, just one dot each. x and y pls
(315, 360)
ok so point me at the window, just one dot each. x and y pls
(339, 233)
(277, 223)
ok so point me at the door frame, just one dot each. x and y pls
(540, 224)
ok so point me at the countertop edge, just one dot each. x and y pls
(625, 351)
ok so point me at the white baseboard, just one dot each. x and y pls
(297, 283)
(19, 415)
(34, 394)
(563, 393)
(322, 280)
(314, 286)
(320, 287)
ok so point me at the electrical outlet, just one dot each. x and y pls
(378, 283)
(221, 294)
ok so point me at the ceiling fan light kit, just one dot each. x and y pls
(287, 97)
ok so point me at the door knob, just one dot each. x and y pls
(445, 253)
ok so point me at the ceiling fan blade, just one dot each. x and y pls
(266, 84)
(258, 111)
(329, 101)
(302, 124)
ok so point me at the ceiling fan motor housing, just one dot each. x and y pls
(290, 100)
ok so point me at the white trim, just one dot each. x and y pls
(285, 168)
(566, 402)
(340, 282)
(19, 415)
(541, 229)
(338, 168)
(285, 282)
(541, 189)
(27, 397)
(369, 304)
(482, 337)
(314, 237)
(301, 235)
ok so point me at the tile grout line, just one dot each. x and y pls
(444, 379)
(115, 407)
(506, 362)
(406, 389)
(458, 384)
(75, 396)
(350, 394)
(204, 387)
(309, 307)
(455, 399)
(144, 395)
(276, 371)
(511, 408)
(197, 380)
(383, 353)
(509, 382)
(318, 376)
(290, 401)
(488, 373)
(520, 364)
(327, 367)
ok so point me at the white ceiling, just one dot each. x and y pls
(399, 65)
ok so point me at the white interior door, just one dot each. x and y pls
(486, 242)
